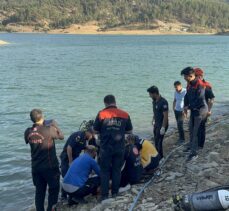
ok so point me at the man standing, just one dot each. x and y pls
(195, 101)
(45, 166)
(178, 107)
(111, 124)
(160, 119)
(209, 97)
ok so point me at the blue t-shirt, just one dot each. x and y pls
(179, 97)
(80, 169)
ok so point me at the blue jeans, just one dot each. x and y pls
(180, 122)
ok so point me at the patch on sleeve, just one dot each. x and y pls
(165, 106)
(78, 138)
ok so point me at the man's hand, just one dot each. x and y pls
(162, 131)
(209, 113)
(185, 112)
(153, 122)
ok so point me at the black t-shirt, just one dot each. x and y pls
(159, 107)
(43, 151)
(133, 165)
(78, 142)
(112, 124)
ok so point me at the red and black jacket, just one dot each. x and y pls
(112, 124)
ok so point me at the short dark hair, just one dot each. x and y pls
(36, 115)
(187, 71)
(153, 90)
(177, 83)
(109, 99)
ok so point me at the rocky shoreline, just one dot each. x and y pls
(211, 169)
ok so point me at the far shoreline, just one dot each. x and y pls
(121, 33)
(93, 28)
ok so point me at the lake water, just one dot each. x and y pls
(68, 76)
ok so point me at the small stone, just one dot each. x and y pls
(134, 191)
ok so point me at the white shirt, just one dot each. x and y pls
(179, 97)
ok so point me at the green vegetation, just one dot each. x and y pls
(111, 13)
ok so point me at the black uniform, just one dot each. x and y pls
(112, 124)
(159, 107)
(132, 172)
(78, 142)
(45, 166)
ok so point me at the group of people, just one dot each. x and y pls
(104, 154)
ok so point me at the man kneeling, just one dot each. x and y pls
(76, 182)
(132, 171)
(149, 155)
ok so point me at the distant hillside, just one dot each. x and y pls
(52, 14)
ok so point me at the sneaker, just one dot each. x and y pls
(124, 189)
(102, 198)
(79, 200)
(192, 157)
(71, 202)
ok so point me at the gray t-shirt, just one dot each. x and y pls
(179, 97)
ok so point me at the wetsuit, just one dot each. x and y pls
(195, 101)
(112, 124)
(45, 166)
(132, 172)
(159, 107)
